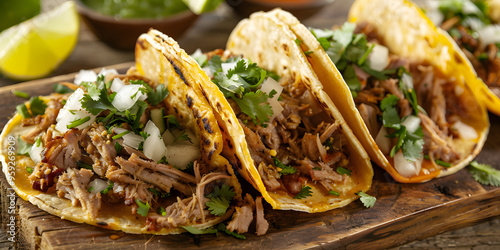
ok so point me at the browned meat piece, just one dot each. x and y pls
(261, 223)
(369, 115)
(43, 121)
(241, 219)
(310, 147)
(73, 185)
(292, 183)
(160, 175)
(43, 176)
(63, 152)
(100, 147)
(437, 144)
(269, 136)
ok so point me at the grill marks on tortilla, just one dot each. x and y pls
(178, 71)
(207, 126)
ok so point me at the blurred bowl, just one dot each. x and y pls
(302, 9)
(123, 33)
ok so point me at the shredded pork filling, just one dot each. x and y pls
(301, 136)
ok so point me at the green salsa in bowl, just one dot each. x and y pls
(118, 23)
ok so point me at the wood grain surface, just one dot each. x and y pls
(451, 213)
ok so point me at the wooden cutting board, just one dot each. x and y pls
(402, 213)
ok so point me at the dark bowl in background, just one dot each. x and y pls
(123, 33)
(302, 9)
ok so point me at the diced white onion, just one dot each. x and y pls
(105, 71)
(383, 142)
(97, 185)
(208, 71)
(130, 139)
(474, 23)
(267, 87)
(72, 111)
(127, 96)
(489, 34)
(180, 155)
(379, 57)
(117, 84)
(36, 153)
(168, 138)
(227, 66)
(411, 123)
(432, 11)
(406, 168)
(154, 147)
(85, 76)
(466, 132)
(407, 81)
(470, 8)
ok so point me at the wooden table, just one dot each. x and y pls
(211, 32)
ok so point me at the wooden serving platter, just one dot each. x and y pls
(402, 213)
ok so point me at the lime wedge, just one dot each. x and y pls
(202, 6)
(35, 47)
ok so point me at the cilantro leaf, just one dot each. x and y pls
(284, 168)
(390, 116)
(161, 211)
(194, 230)
(217, 206)
(352, 80)
(412, 149)
(255, 105)
(37, 106)
(304, 192)
(172, 121)
(333, 192)
(225, 191)
(93, 90)
(29, 170)
(109, 187)
(96, 107)
(344, 35)
(143, 208)
(23, 111)
(367, 199)
(61, 89)
(222, 228)
(158, 95)
(23, 147)
(484, 174)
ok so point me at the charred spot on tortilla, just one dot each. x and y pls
(210, 154)
(206, 125)
(178, 71)
(141, 43)
(189, 101)
(102, 223)
(207, 142)
(219, 107)
(285, 48)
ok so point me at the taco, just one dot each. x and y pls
(474, 27)
(288, 139)
(399, 89)
(138, 152)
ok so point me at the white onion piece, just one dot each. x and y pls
(470, 8)
(168, 138)
(129, 139)
(72, 111)
(474, 23)
(208, 71)
(432, 11)
(383, 142)
(180, 155)
(36, 153)
(406, 168)
(105, 71)
(85, 76)
(127, 96)
(267, 87)
(411, 123)
(379, 57)
(97, 185)
(407, 81)
(117, 84)
(154, 147)
(466, 132)
(489, 34)
(227, 66)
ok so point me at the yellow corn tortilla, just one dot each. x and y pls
(406, 33)
(151, 58)
(271, 44)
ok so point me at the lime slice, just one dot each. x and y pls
(201, 6)
(33, 48)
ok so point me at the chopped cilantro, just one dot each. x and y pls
(23, 147)
(143, 208)
(93, 89)
(90, 189)
(367, 199)
(158, 193)
(284, 168)
(308, 52)
(298, 42)
(109, 187)
(83, 165)
(23, 111)
(342, 171)
(255, 105)
(390, 116)
(439, 162)
(220, 199)
(332, 192)
(78, 122)
(61, 89)
(38, 141)
(144, 134)
(172, 121)
(118, 147)
(161, 211)
(304, 192)
(21, 94)
(484, 174)
(120, 135)
(194, 230)
(222, 228)
(29, 170)
(184, 136)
